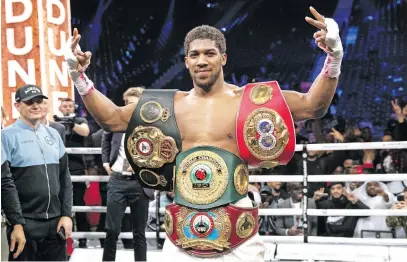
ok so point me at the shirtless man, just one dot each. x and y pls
(219, 129)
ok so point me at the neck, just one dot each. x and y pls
(43, 120)
(216, 88)
(31, 122)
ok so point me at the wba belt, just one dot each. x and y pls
(265, 128)
(210, 233)
(209, 177)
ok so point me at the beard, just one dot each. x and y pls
(206, 84)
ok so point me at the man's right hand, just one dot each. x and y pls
(108, 170)
(77, 63)
(17, 236)
(294, 231)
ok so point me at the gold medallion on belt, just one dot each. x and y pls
(150, 148)
(241, 179)
(203, 230)
(265, 134)
(202, 177)
(261, 94)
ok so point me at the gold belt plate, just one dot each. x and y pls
(202, 177)
(265, 134)
(203, 230)
(150, 148)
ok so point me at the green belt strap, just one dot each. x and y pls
(209, 177)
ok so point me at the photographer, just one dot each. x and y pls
(76, 130)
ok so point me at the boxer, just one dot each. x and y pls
(208, 137)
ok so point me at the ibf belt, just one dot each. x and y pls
(265, 128)
(208, 177)
(210, 233)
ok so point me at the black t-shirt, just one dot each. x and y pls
(76, 161)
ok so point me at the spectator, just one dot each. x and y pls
(375, 195)
(293, 225)
(76, 130)
(271, 195)
(399, 222)
(339, 226)
(124, 190)
(41, 177)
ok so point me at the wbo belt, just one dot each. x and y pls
(264, 127)
(208, 177)
(210, 233)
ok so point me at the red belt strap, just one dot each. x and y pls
(210, 233)
(265, 128)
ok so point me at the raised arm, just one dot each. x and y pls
(315, 103)
(107, 114)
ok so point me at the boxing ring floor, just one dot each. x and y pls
(278, 252)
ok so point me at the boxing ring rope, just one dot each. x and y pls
(304, 212)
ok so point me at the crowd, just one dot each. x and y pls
(341, 195)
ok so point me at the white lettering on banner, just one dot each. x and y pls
(51, 44)
(11, 18)
(15, 68)
(11, 45)
(62, 14)
(62, 75)
(15, 114)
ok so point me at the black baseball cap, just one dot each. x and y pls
(28, 92)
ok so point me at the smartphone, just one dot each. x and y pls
(400, 198)
(61, 235)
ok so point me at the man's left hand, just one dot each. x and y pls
(66, 223)
(327, 38)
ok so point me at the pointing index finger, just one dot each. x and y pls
(317, 15)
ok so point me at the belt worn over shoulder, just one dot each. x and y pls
(265, 128)
(209, 177)
(210, 233)
(152, 139)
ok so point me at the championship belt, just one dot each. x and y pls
(152, 139)
(208, 177)
(210, 233)
(265, 128)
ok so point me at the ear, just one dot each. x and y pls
(186, 62)
(224, 59)
(17, 106)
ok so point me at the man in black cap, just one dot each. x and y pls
(338, 226)
(39, 167)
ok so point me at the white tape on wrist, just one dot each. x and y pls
(82, 83)
(332, 65)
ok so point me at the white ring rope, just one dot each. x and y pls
(281, 211)
(298, 147)
(286, 178)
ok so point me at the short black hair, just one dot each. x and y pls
(205, 32)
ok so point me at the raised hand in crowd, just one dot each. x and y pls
(337, 135)
(350, 196)
(319, 194)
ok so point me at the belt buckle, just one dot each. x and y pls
(209, 230)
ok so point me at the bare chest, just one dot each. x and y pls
(210, 122)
